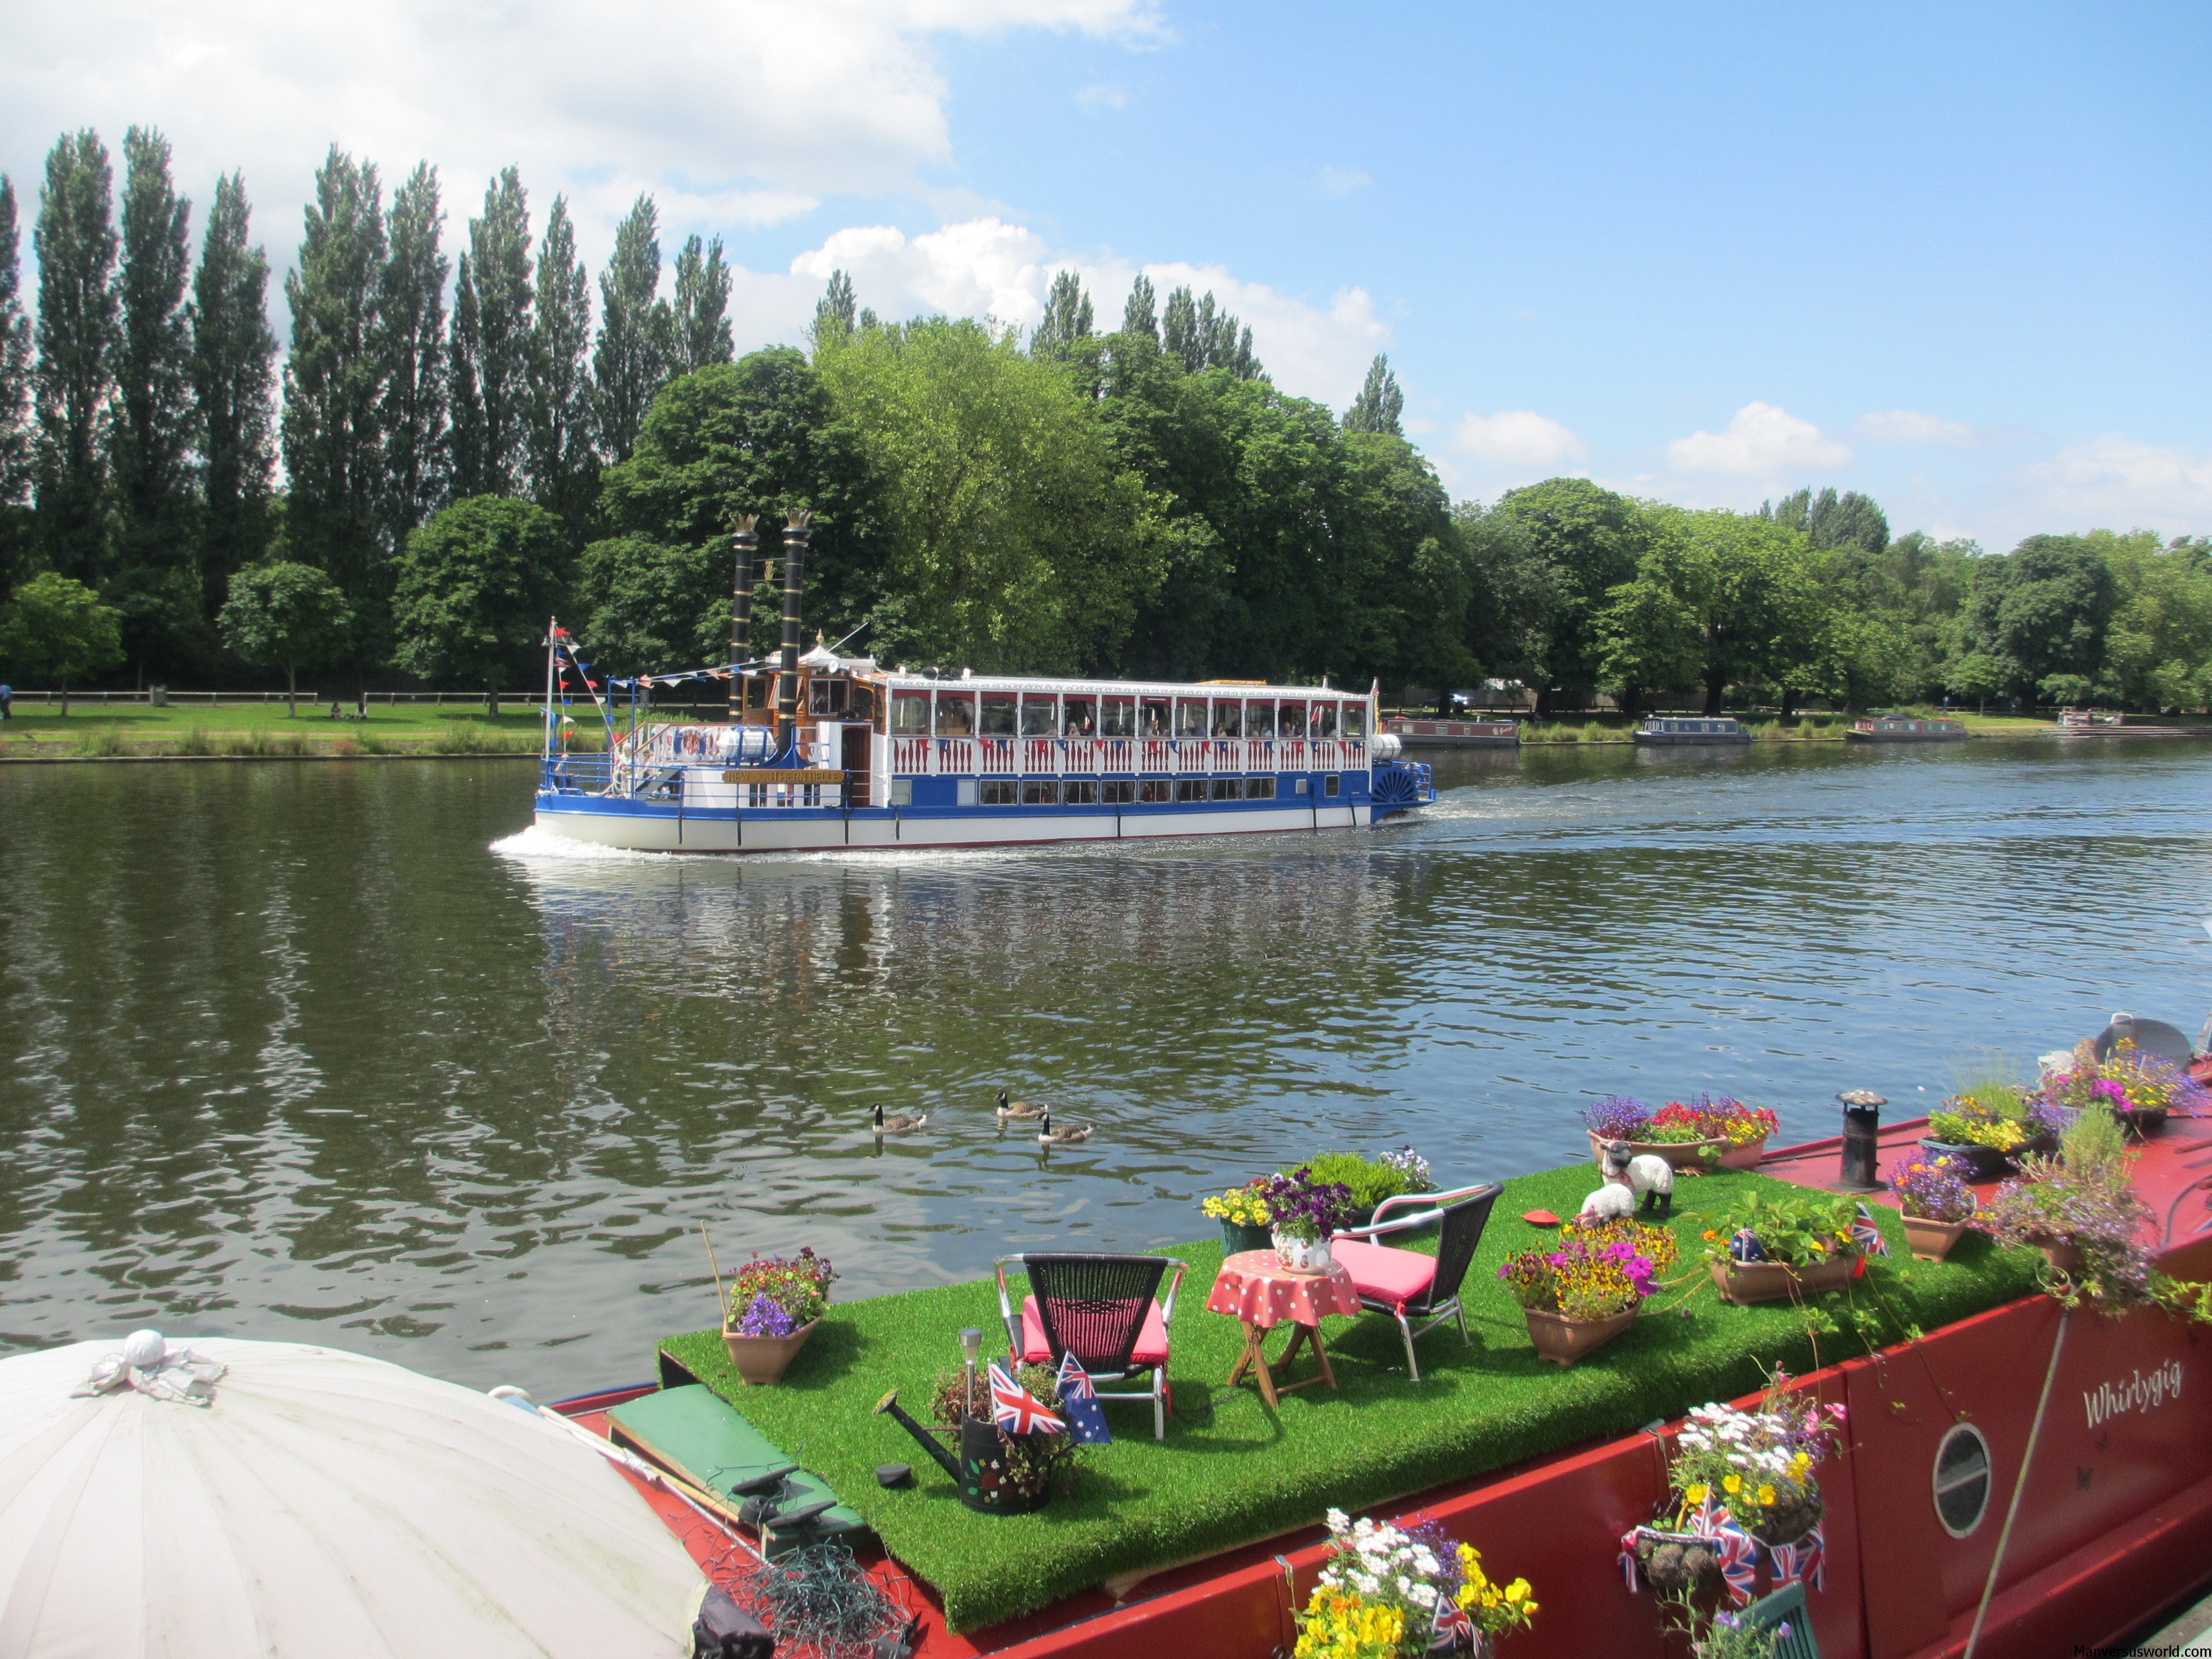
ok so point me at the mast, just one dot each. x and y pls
(744, 542)
(787, 692)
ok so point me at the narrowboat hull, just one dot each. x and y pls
(1904, 737)
(1454, 734)
(1686, 739)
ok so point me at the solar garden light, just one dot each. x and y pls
(971, 1344)
(1862, 1139)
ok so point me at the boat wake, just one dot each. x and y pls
(538, 843)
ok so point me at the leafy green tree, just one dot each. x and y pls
(835, 313)
(233, 373)
(411, 349)
(2066, 691)
(2042, 611)
(637, 343)
(1379, 404)
(1514, 592)
(1204, 338)
(465, 439)
(15, 428)
(333, 424)
(495, 376)
(701, 324)
(1138, 316)
(1067, 320)
(1978, 675)
(2158, 650)
(1589, 540)
(75, 241)
(1018, 538)
(758, 436)
(151, 435)
(287, 616)
(476, 586)
(56, 628)
(563, 466)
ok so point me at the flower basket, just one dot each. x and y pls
(1563, 1341)
(2142, 1122)
(1746, 1156)
(1787, 1523)
(1682, 1154)
(1931, 1241)
(762, 1360)
(1981, 1162)
(2064, 1254)
(1746, 1282)
(1237, 1237)
(1674, 1562)
(1302, 1255)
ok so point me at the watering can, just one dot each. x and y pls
(979, 1473)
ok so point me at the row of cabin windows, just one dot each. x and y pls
(1034, 714)
(1141, 792)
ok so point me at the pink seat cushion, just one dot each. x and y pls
(1389, 1276)
(1151, 1341)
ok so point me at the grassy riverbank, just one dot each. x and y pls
(1230, 1470)
(38, 732)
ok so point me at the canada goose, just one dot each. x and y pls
(900, 1125)
(1018, 1108)
(1067, 1135)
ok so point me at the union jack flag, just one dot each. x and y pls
(1087, 1418)
(1867, 1235)
(1452, 1621)
(1015, 1409)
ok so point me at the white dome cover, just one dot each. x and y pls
(324, 1505)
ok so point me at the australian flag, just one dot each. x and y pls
(1015, 1409)
(1087, 1418)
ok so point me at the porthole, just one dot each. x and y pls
(1962, 1479)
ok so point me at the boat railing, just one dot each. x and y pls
(1007, 756)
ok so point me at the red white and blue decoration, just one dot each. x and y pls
(1455, 1630)
(1015, 1409)
(1087, 1418)
(1867, 1235)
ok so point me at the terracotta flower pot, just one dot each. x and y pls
(1563, 1341)
(1931, 1241)
(1682, 1154)
(762, 1360)
(1746, 1282)
(2064, 1254)
(1746, 1156)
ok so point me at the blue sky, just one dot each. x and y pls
(1954, 256)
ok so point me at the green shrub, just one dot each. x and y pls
(1370, 1180)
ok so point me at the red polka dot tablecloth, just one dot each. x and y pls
(1253, 1285)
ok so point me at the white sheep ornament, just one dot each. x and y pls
(1611, 1202)
(1646, 1176)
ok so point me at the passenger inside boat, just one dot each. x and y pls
(1229, 720)
(1190, 717)
(1040, 715)
(1081, 719)
(1260, 719)
(956, 714)
(1292, 721)
(1324, 722)
(998, 716)
(1154, 717)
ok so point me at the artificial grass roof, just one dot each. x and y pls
(1231, 1470)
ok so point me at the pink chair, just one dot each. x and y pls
(1410, 1284)
(1100, 1308)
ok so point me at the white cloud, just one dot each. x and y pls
(1904, 426)
(988, 268)
(2116, 482)
(1763, 440)
(1342, 181)
(1105, 96)
(732, 114)
(1518, 438)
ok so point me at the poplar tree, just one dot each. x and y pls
(492, 365)
(1068, 318)
(465, 441)
(333, 384)
(151, 448)
(834, 315)
(1137, 315)
(563, 468)
(75, 381)
(1377, 407)
(233, 372)
(1179, 331)
(15, 387)
(410, 349)
(1204, 337)
(635, 333)
(702, 307)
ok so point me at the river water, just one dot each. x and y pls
(332, 1053)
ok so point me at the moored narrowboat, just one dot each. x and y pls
(1415, 733)
(1905, 728)
(1667, 730)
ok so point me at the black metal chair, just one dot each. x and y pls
(1101, 1309)
(1410, 1284)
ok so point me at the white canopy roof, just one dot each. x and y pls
(323, 1504)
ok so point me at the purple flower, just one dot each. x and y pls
(1616, 1117)
(765, 1318)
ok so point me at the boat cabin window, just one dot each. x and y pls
(1291, 722)
(1260, 719)
(1324, 720)
(757, 687)
(827, 697)
(1040, 716)
(1117, 717)
(998, 717)
(864, 703)
(1082, 718)
(956, 713)
(1155, 791)
(1229, 720)
(1076, 793)
(1190, 717)
(1153, 717)
(910, 712)
(1355, 720)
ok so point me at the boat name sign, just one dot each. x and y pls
(782, 774)
(2138, 1394)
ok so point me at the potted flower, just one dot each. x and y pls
(1385, 1592)
(2080, 1209)
(774, 1304)
(1744, 1129)
(1372, 1180)
(1988, 1123)
(1937, 1204)
(1675, 1133)
(1242, 1213)
(2138, 1089)
(1302, 1212)
(1765, 1249)
(1587, 1289)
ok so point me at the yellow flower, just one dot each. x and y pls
(1731, 1485)
(1696, 1494)
(1517, 1590)
(1767, 1495)
(1803, 1460)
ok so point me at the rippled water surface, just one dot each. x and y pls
(331, 1052)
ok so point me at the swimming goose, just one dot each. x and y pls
(900, 1125)
(1018, 1108)
(1067, 1135)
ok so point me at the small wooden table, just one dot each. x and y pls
(1255, 1289)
